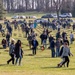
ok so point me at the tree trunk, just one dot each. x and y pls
(8, 6)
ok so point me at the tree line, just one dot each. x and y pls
(37, 5)
(58, 6)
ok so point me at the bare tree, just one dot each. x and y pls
(47, 5)
(8, 5)
(1, 9)
(58, 5)
(12, 5)
(38, 5)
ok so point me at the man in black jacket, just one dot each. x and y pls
(41, 37)
(8, 38)
(52, 47)
(34, 44)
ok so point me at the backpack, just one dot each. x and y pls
(61, 51)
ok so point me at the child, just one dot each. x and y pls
(4, 43)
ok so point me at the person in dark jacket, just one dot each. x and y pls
(50, 38)
(27, 31)
(45, 39)
(58, 35)
(10, 30)
(41, 37)
(11, 52)
(34, 44)
(8, 38)
(66, 40)
(4, 43)
(29, 40)
(18, 52)
(73, 27)
(0, 27)
(64, 35)
(52, 47)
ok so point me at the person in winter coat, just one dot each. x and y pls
(34, 46)
(18, 52)
(4, 43)
(11, 52)
(65, 55)
(42, 37)
(29, 40)
(8, 38)
(52, 47)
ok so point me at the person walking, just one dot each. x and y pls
(52, 47)
(34, 45)
(18, 52)
(65, 55)
(4, 43)
(71, 38)
(11, 52)
(29, 40)
(8, 38)
(58, 44)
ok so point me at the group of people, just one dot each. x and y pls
(59, 45)
(16, 52)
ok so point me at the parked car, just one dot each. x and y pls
(15, 17)
(54, 15)
(47, 16)
(65, 15)
(39, 20)
(18, 17)
(22, 17)
(32, 17)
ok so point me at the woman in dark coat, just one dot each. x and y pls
(18, 52)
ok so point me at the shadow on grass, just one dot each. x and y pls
(3, 64)
(29, 55)
(58, 68)
(6, 50)
(70, 69)
(48, 67)
(43, 57)
(1, 48)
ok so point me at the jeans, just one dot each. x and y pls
(8, 42)
(4, 46)
(44, 43)
(20, 58)
(57, 52)
(53, 52)
(11, 59)
(66, 58)
(34, 50)
(71, 40)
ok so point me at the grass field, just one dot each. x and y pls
(41, 64)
